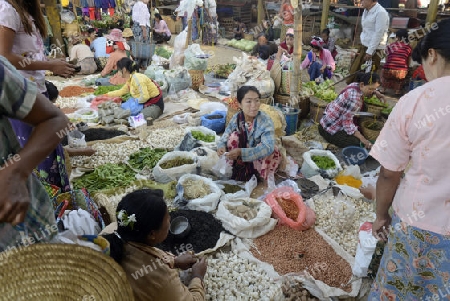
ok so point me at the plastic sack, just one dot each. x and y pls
(222, 169)
(206, 158)
(182, 118)
(207, 203)
(215, 121)
(310, 169)
(178, 80)
(246, 217)
(76, 139)
(133, 105)
(67, 16)
(80, 222)
(191, 61)
(151, 70)
(189, 142)
(306, 216)
(211, 106)
(364, 252)
(173, 174)
(344, 213)
(264, 84)
(291, 167)
(246, 191)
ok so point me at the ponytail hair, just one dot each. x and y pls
(149, 208)
(367, 78)
(128, 64)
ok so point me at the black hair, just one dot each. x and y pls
(242, 91)
(367, 78)
(100, 32)
(149, 208)
(127, 64)
(402, 35)
(91, 30)
(263, 34)
(52, 91)
(158, 16)
(438, 40)
(264, 52)
(326, 31)
(237, 19)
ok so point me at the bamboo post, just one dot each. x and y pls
(189, 33)
(296, 76)
(55, 22)
(325, 12)
(432, 11)
(261, 11)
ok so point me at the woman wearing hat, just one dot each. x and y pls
(141, 26)
(143, 223)
(127, 34)
(82, 54)
(116, 47)
(319, 61)
(288, 44)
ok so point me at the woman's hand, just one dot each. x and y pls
(234, 154)
(61, 68)
(380, 228)
(199, 269)
(380, 96)
(185, 261)
(221, 151)
(322, 69)
(15, 197)
(367, 144)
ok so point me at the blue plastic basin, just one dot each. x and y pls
(354, 155)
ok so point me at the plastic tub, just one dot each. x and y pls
(180, 227)
(355, 155)
(88, 115)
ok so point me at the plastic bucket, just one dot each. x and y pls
(291, 115)
(354, 155)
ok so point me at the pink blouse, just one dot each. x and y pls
(161, 27)
(325, 57)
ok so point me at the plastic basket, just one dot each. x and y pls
(142, 50)
(354, 155)
(214, 122)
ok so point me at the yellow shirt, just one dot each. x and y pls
(139, 86)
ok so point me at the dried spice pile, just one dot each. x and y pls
(97, 134)
(204, 234)
(71, 91)
(290, 251)
(289, 208)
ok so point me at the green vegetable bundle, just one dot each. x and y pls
(105, 89)
(106, 177)
(200, 136)
(324, 162)
(146, 157)
(176, 162)
(244, 45)
(163, 52)
(375, 102)
(324, 91)
(387, 111)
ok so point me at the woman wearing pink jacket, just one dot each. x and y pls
(319, 61)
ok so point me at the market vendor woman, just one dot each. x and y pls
(337, 125)
(143, 89)
(249, 139)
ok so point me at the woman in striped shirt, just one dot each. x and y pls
(398, 56)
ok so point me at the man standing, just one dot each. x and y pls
(375, 24)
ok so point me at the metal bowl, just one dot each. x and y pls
(180, 227)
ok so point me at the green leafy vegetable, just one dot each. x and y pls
(146, 157)
(200, 136)
(105, 177)
(375, 102)
(387, 111)
(105, 89)
(325, 91)
(163, 52)
(323, 162)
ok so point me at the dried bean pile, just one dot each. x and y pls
(97, 134)
(291, 251)
(289, 208)
(205, 232)
(71, 91)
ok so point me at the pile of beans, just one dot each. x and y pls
(289, 208)
(71, 91)
(292, 251)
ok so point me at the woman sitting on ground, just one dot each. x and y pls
(83, 56)
(249, 139)
(161, 32)
(398, 57)
(144, 222)
(98, 45)
(240, 29)
(336, 125)
(143, 89)
(319, 61)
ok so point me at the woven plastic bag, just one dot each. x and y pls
(206, 203)
(173, 174)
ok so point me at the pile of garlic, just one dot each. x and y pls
(109, 153)
(230, 277)
(168, 137)
(348, 240)
(66, 102)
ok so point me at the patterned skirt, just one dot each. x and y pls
(415, 265)
(393, 79)
(264, 166)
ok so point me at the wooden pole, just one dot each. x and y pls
(325, 12)
(261, 11)
(55, 22)
(432, 11)
(189, 33)
(297, 56)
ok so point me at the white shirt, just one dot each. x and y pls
(375, 24)
(141, 14)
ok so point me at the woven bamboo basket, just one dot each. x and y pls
(248, 37)
(376, 110)
(371, 135)
(317, 108)
(197, 78)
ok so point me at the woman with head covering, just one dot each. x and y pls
(288, 44)
(82, 54)
(319, 62)
(143, 223)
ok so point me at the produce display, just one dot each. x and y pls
(387, 111)
(168, 137)
(163, 52)
(105, 89)
(374, 101)
(71, 91)
(222, 71)
(105, 177)
(294, 291)
(229, 188)
(289, 208)
(176, 162)
(323, 162)
(324, 91)
(292, 251)
(146, 157)
(248, 210)
(66, 102)
(244, 45)
(203, 137)
(194, 189)
(204, 234)
(375, 126)
(230, 277)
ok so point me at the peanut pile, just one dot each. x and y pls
(289, 208)
(291, 251)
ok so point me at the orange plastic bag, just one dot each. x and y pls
(305, 217)
(101, 99)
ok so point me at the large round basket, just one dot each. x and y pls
(317, 108)
(370, 134)
(376, 110)
(304, 103)
(197, 78)
(54, 272)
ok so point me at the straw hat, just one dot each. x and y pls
(115, 35)
(54, 272)
(127, 33)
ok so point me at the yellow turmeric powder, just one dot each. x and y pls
(348, 180)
